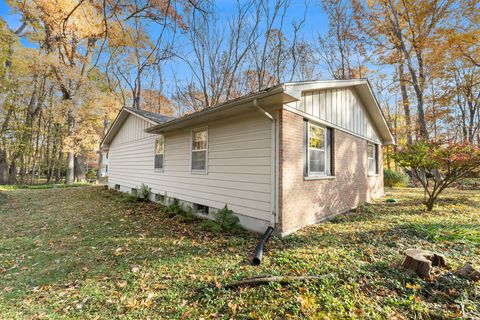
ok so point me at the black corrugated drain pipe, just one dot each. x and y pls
(257, 258)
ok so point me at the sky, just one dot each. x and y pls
(316, 23)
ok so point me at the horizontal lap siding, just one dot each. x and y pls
(239, 164)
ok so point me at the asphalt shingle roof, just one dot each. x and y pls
(157, 117)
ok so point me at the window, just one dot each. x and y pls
(372, 154)
(200, 208)
(159, 152)
(117, 187)
(134, 192)
(160, 198)
(318, 151)
(199, 150)
(106, 168)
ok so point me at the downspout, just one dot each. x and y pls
(268, 115)
(257, 259)
(274, 157)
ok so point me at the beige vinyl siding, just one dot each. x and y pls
(341, 107)
(239, 164)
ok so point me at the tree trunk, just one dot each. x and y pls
(36, 154)
(13, 172)
(48, 158)
(4, 177)
(70, 154)
(58, 174)
(405, 102)
(429, 204)
(422, 261)
(80, 172)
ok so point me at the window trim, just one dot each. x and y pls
(312, 175)
(196, 171)
(155, 154)
(375, 158)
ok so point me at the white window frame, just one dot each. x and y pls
(375, 159)
(326, 154)
(155, 154)
(205, 171)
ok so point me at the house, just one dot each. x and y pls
(288, 156)
(104, 164)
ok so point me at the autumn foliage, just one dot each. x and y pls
(438, 165)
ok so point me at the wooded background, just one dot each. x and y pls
(86, 59)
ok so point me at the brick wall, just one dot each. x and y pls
(304, 202)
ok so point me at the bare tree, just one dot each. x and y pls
(340, 50)
(252, 53)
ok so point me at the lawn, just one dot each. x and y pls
(90, 253)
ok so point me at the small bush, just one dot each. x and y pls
(365, 208)
(188, 215)
(469, 184)
(225, 220)
(174, 209)
(91, 174)
(394, 178)
(144, 192)
(129, 199)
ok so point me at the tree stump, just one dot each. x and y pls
(421, 261)
(469, 272)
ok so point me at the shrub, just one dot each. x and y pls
(175, 209)
(438, 165)
(129, 199)
(225, 220)
(91, 174)
(145, 192)
(393, 178)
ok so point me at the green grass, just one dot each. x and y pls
(87, 253)
(6, 187)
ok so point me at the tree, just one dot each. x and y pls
(437, 165)
(414, 29)
(134, 49)
(341, 49)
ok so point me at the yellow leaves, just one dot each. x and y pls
(68, 18)
(134, 303)
(412, 286)
(118, 252)
(308, 303)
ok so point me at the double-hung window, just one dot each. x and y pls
(318, 159)
(199, 150)
(372, 156)
(159, 152)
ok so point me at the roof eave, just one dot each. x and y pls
(183, 121)
(115, 126)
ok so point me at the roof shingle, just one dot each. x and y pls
(156, 117)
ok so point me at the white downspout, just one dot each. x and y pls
(274, 221)
(268, 115)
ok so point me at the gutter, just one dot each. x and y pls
(225, 106)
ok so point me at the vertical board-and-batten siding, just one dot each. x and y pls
(239, 164)
(341, 107)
